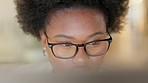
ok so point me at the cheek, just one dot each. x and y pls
(65, 64)
(96, 61)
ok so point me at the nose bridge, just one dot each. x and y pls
(81, 57)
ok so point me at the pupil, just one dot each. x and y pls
(66, 45)
(94, 43)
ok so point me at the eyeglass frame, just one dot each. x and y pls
(50, 45)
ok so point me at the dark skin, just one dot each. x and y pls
(75, 26)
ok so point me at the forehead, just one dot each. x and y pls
(75, 22)
(77, 14)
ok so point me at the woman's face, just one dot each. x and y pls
(76, 26)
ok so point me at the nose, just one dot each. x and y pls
(81, 57)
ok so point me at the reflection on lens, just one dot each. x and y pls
(64, 51)
(98, 48)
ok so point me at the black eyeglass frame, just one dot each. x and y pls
(50, 45)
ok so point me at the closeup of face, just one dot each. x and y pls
(74, 26)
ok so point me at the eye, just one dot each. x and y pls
(94, 43)
(66, 45)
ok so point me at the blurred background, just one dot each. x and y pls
(129, 49)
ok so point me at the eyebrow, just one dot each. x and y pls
(69, 37)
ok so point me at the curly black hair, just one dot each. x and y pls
(33, 14)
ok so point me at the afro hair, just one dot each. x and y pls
(33, 14)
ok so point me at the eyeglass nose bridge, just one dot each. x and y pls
(80, 45)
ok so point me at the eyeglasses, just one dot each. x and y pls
(69, 50)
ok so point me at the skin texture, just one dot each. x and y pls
(78, 26)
